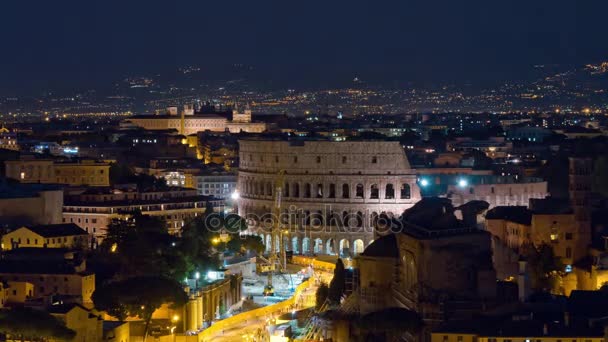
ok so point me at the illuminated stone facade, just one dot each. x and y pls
(190, 123)
(333, 191)
(84, 172)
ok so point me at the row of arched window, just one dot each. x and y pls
(308, 190)
(320, 218)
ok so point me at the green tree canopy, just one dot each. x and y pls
(29, 324)
(244, 243)
(139, 296)
(142, 245)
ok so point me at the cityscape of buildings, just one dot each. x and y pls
(437, 172)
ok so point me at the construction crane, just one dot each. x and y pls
(277, 259)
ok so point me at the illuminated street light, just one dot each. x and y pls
(215, 241)
(463, 183)
(424, 182)
(197, 275)
(235, 195)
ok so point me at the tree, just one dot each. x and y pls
(244, 243)
(141, 245)
(139, 296)
(545, 268)
(337, 284)
(321, 295)
(30, 324)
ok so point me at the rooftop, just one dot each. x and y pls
(56, 230)
(517, 214)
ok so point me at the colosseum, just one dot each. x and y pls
(332, 194)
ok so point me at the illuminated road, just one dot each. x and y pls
(252, 327)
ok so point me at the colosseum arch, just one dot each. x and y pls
(359, 193)
(319, 191)
(268, 242)
(389, 192)
(268, 189)
(306, 245)
(295, 245)
(359, 219)
(330, 246)
(286, 189)
(318, 247)
(358, 247)
(406, 191)
(307, 190)
(345, 191)
(344, 248)
(374, 191)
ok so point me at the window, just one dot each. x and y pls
(405, 191)
(389, 192)
(318, 159)
(459, 338)
(568, 236)
(295, 159)
(276, 159)
(374, 192)
(332, 191)
(343, 159)
(319, 191)
(568, 252)
(374, 160)
(286, 190)
(307, 190)
(345, 191)
(359, 191)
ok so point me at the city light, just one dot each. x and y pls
(462, 183)
(424, 182)
(235, 195)
(197, 275)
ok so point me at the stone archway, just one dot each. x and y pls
(344, 248)
(268, 242)
(306, 246)
(318, 246)
(295, 247)
(358, 247)
(329, 247)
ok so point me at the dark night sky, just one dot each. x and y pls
(45, 43)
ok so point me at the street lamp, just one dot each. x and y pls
(235, 195)
(424, 182)
(462, 183)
